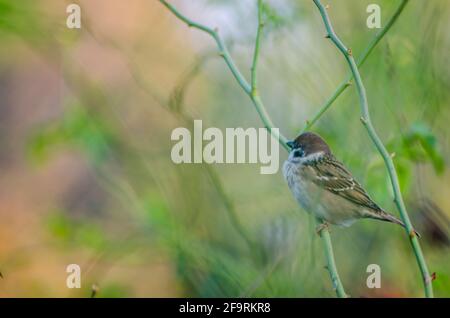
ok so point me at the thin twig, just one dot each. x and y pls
(347, 52)
(252, 91)
(223, 52)
(359, 62)
(257, 46)
(331, 264)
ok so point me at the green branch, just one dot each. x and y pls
(359, 62)
(257, 46)
(331, 264)
(222, 48)
(252, 92)
(379, 145)
(223, 52)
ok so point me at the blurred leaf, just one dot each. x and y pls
(46, 139)
(421, 134)
(77, 128)
(60, 226)
(404, 172)
(90, 235)
(76, 232)
(23, 19)
(442, 283)
(158, 212)
(375, 182)
(272, 17)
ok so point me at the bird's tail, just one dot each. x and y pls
(384, 216)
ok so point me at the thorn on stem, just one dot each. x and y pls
(393, 155)
(327, 36)
(216, 29)
(433, 276)
(94, 290)
(327, 6)
(349, 52)
(430, 278)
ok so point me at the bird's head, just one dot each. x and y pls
(308, 145)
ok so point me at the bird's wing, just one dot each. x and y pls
(331, 175)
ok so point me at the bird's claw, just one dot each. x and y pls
(322, 226)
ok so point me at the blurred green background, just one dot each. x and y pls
(86, 176)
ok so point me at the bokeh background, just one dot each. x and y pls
(85, 171)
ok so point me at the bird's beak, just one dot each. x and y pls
(290, 144)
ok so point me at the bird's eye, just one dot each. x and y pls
(298, 153)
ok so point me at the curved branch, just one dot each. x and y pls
(252, 91)
(223, 51)
(359, 62)
(379, 145)
(222, 48)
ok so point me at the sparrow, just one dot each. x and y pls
(324, 187)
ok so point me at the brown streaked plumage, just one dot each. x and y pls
(325, 187)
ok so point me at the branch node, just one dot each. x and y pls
(363, 120)
(430, 278)
(322, 227)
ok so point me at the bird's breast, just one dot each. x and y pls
(297, 184)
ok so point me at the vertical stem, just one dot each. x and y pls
(331, 264)
(381, 149)
(359, 62)
(257, 46)
(252, 91)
